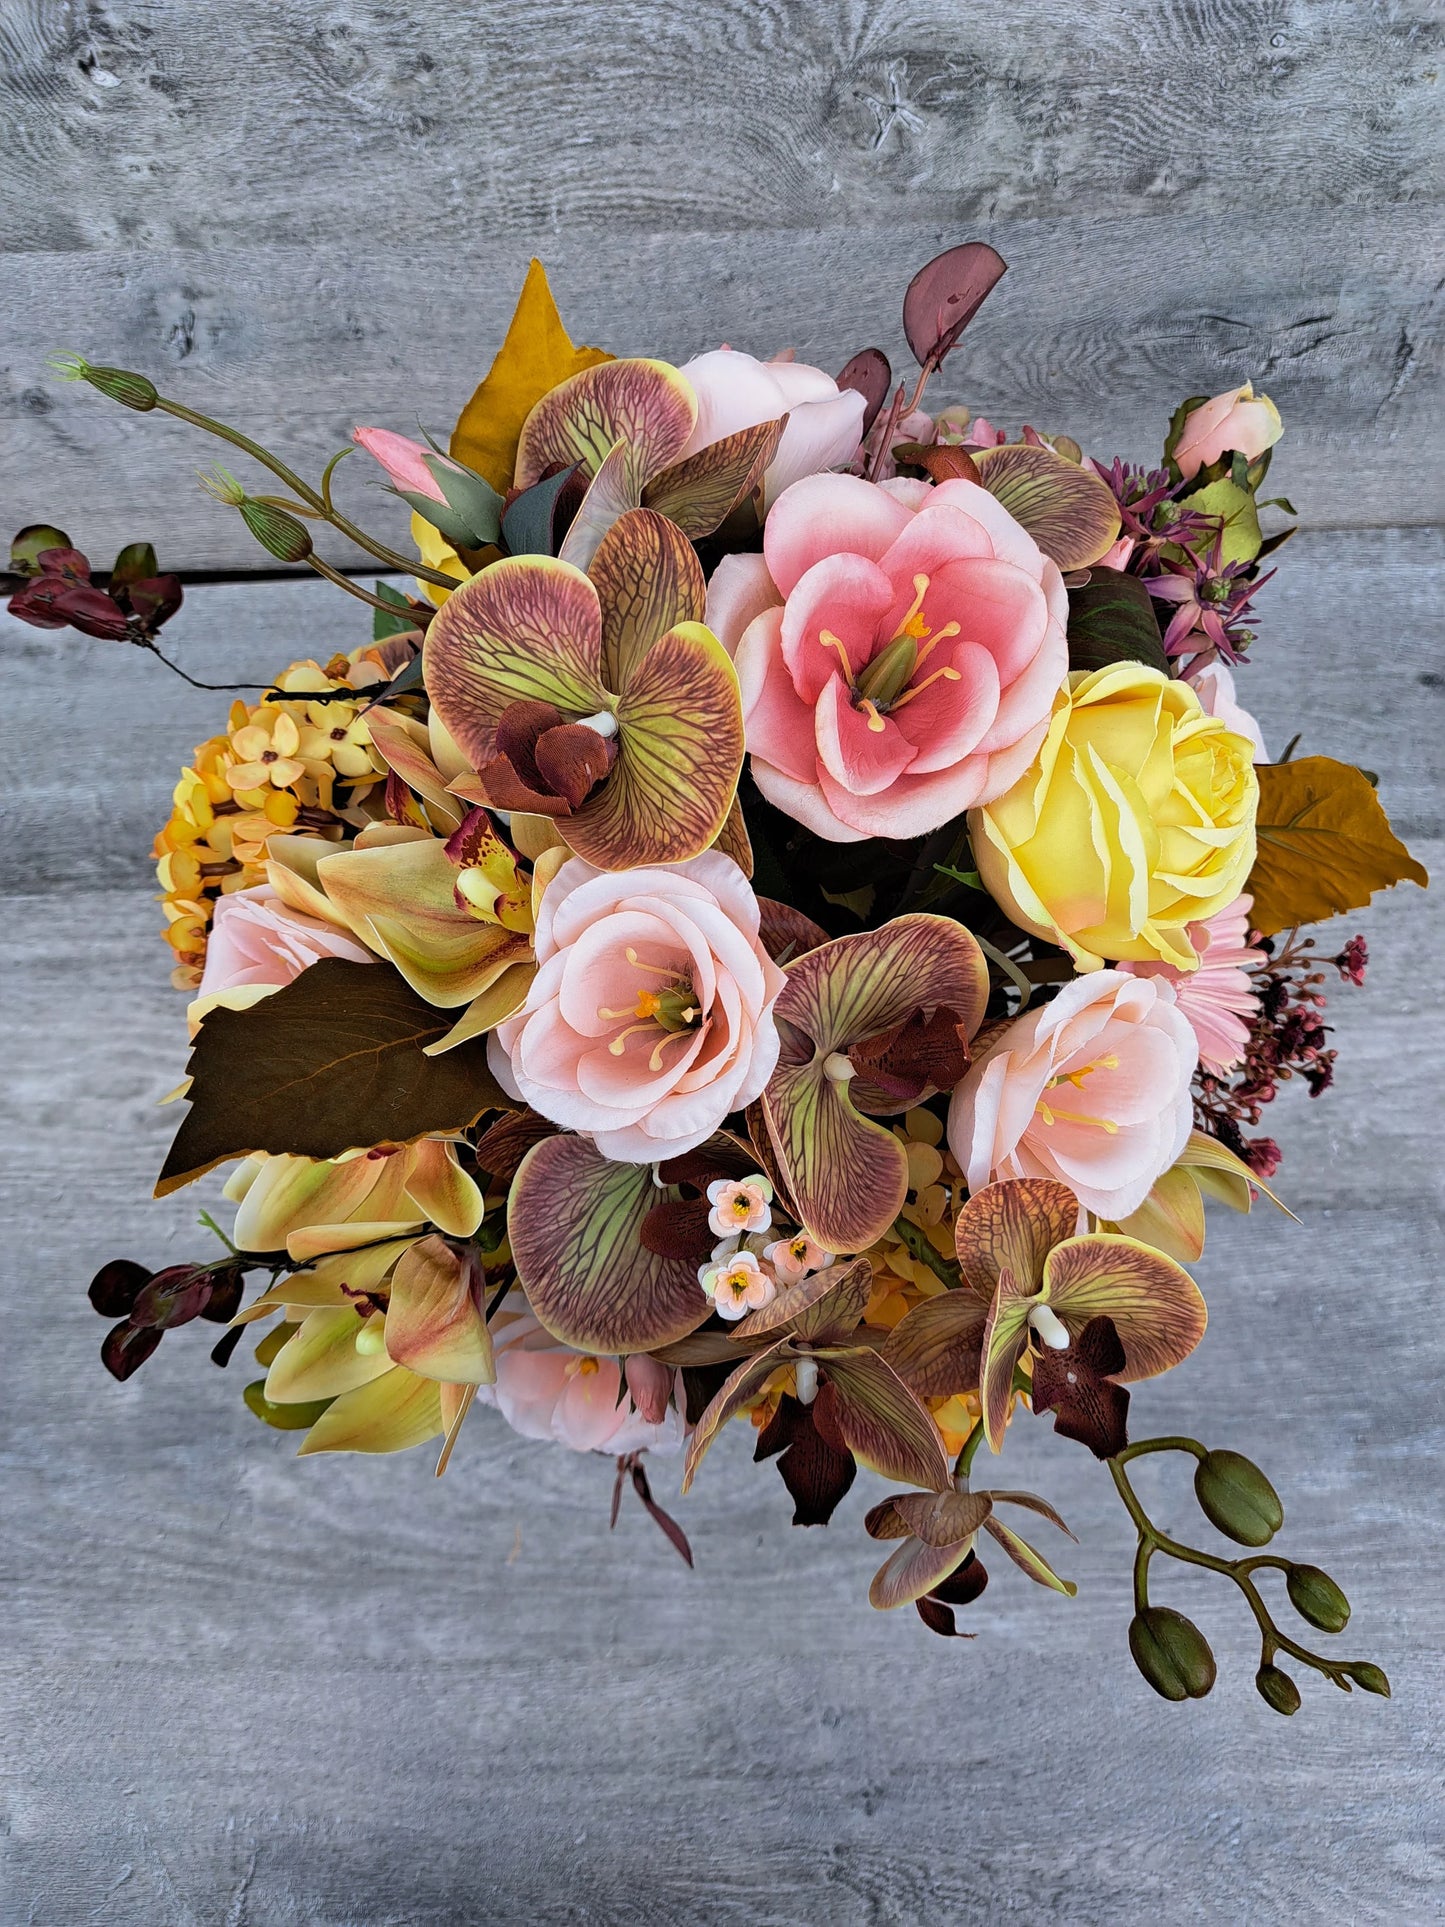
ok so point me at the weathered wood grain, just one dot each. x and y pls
(235, 1687)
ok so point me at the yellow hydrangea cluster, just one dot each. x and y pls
(282, 765)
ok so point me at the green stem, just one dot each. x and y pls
(963, 1464)
(351, 588)
(318, 503)
(920, 1247)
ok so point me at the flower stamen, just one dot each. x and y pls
(939, 675)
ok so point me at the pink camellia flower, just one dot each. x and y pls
(1092, 1089)
(899, 648)
(737, 1284)
(651, 1015)
(259, 943)
(1218, 998)
(405, 461)
(1238, 421)
(545, 1391)
(796, 1257)
(739, 1207)
(736, 391)
(1213, 684)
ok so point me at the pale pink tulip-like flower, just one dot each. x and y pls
(1238, 422)
(1218, 998)
(257, 942)
(736, 391)
(899, 648)
(546, 1391)
(796, 1258)
(1213, 684)
(1091, 1089)
(405, 461)
(651, 1014)
(739, 1207)
(738, 1284)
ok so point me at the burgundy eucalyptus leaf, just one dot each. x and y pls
(870, 376)
(173, 1297)
(227, 1287)
(944, 296)
(116, 1286)
(126, 1347)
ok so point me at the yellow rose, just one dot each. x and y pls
(1135, 820)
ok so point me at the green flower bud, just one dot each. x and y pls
(1171, 1653)
(1237, 1498)
(1371, 1678)
(116, 384)
(279, 533)
(1316, 1597)
(1278, 1689)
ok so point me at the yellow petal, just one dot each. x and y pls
(434, 1325)
(390, 1414)
(322, 1359)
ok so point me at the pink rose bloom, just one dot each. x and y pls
(1214, 686)
(1091, 1089)
(1218, 998)
(545, 1391)
(736, 391)
(899, 648)
(259, 942)
(1237, 421)
(651, 1014)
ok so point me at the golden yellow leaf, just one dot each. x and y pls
(1325, 844)
(535, 358)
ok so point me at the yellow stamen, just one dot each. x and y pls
(828, 640)
(939, 635)
(939, 675)
(913, 623)
(1077, 1117)
(663, 970)
(870, 710)
(654, 1061)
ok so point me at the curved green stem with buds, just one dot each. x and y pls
(1239, 1513)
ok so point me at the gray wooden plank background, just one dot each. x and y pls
(238, 1689)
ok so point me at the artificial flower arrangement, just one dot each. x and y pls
(790, 923)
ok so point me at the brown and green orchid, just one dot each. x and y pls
(626, 424)
(1037, 1287)
(938, 1529)
(870, 1024)
(599, 699)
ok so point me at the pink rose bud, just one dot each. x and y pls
(1238, 422)
(403, 460)
(650, 1383)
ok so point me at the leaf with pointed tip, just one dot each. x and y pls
(912, 1571)
(490, 1007)
(1171, 1218)
(744, 1384)
(884, 1425)
(700, 492)
(434, 1325)
(1013, 1226)
(1111, 619)
(646, 404)
(334, 1061)
(1069, 511)
(1004, 1338)
(945, 295)
(527, 522)
(391, 1414)
(1025, 1556)
(936, 1348)
(1324, 844)
(868, 374)
(1206, 1155)
(847, 1175)
(679, 755)
(400, 898)
(320, 1359)
(1155, 1305)
(648, 579)
(528, 629)
(574, 1221)
(536, 357)
(943, 1518)
(1235, 516)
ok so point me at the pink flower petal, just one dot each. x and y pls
(828, 515)
(859, 758)
(848, 597)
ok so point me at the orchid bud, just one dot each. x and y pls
(1316, 1597)
(1237, 1498)
(1278, 1689)
(1171, 1653)
(650, 1383)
